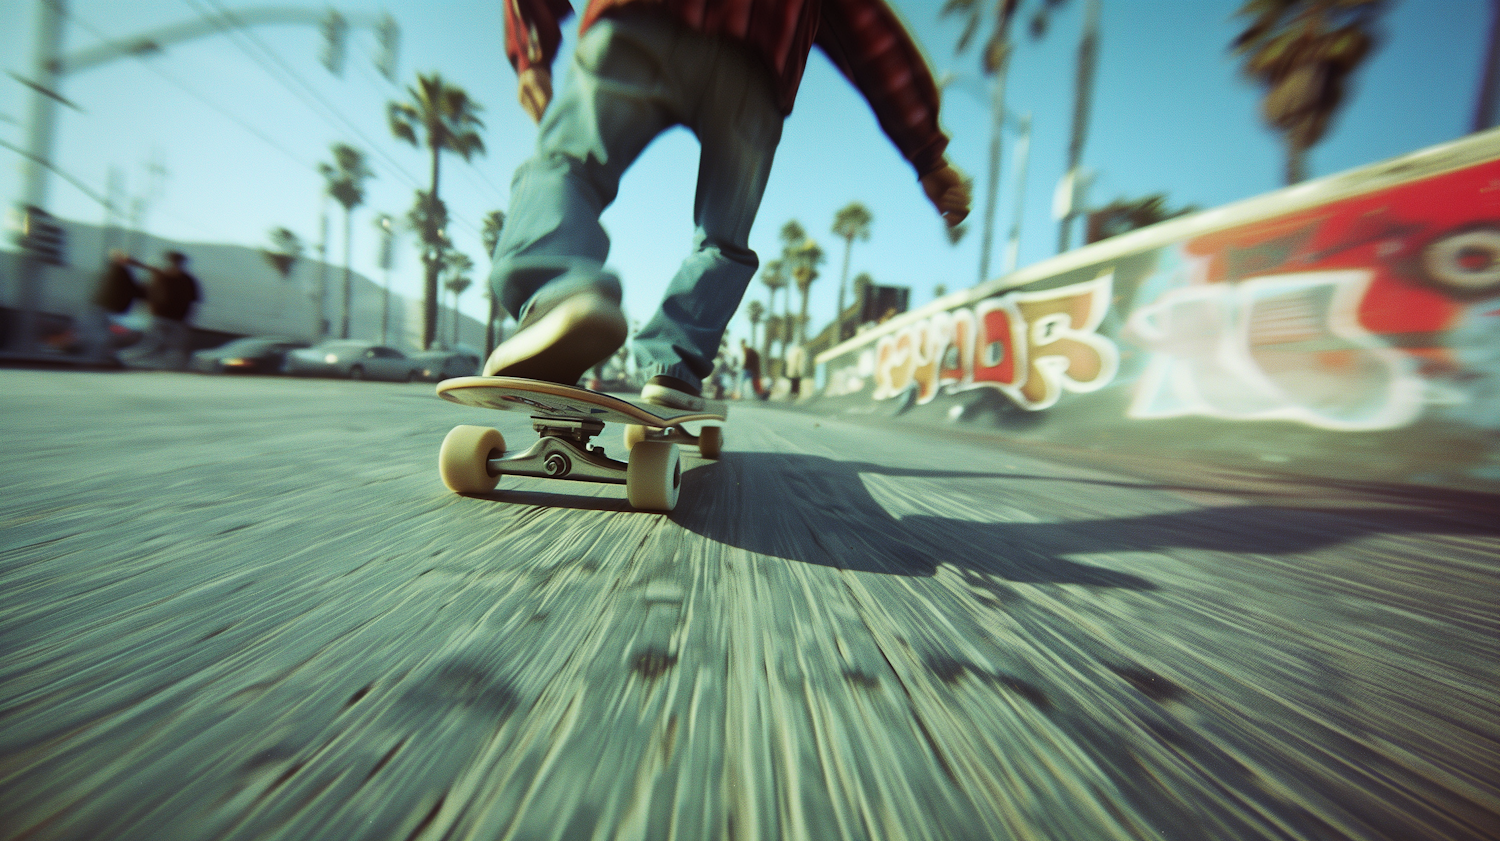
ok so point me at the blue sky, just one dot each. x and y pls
(1171, 114)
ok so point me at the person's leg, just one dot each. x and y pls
(549, 263)
(739, 126)
(93, 325)
(177, 346)
(148, 349)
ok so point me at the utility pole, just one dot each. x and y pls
(322, 293)
(387, 259)
(1489, 85)
(1088, 49)
(45, 73)
(992, 189)
(51, 65)
(1023, 156)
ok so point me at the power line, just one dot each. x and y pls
(93, 30)
(285, 75)
(286, 71)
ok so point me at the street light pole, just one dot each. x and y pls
(997, 126)
(1088, 48)
(40, 131)
(1023, 157)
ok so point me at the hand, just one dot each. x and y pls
(949, 192)
(535, 91)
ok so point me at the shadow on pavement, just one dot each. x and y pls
(818, 510)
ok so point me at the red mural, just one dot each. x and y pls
(1433, 247)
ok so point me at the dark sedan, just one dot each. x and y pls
(254, 355)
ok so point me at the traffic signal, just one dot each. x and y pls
(335, 31)
(42, 237)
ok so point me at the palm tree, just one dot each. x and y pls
(850, 223)
(494, 223)
(1303, 52)
(773, 275)
(792, 235)
(456, 268)
(862, 282)
(994, 63)
(447, 119)
(429, 215)
(386, 225)
(286, 248)
(1122, 216)
(346, 184)
(775, 332)
(807, 258)
(755, 312)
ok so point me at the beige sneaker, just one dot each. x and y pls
(562, 335)
(672, 393)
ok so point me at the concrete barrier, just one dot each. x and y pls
(1349, 324)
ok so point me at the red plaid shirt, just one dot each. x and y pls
(863, 38)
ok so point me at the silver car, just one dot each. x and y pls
(439, 365)
(353, 359)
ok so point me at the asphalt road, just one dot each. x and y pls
(247, 608)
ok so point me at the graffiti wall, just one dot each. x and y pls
(1367, 302)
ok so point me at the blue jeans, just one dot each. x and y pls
(635, 75)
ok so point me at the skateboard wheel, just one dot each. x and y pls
(463, 461)
(711, 441)
(653, 476)
(634, 434)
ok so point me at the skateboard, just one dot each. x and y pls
(566, 418)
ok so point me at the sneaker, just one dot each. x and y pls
(672, 393)
(566, 329)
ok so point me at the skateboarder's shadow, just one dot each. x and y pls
(822, 511)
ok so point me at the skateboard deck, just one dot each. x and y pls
(551, 400)
(566, 418)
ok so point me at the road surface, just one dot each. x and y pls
(247, 609)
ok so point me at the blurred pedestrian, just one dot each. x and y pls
(172, 293)
(796, 361)
(749, 370)
(113, 295)
(728, 70)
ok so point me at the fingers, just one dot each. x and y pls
(949, 192)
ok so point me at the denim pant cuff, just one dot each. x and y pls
(676, 369)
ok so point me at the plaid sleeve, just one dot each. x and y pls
(532, 31)
(871, 47)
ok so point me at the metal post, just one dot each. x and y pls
(40, 131)
(997, 104)
(1023, 156)
(1088, 47)
(1489, 86)
(322, 293)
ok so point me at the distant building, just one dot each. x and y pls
(243, 293)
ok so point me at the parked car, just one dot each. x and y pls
(445, 364)
(253, 355)
(353, 359)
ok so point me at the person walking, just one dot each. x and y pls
(729, 71)
(796, 363)
(116, 291)
(749, 370)
(171, 295)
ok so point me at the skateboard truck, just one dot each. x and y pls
(566, 419)
(563, 452)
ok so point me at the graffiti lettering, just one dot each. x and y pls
(1284, 347)
(1031, 346)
